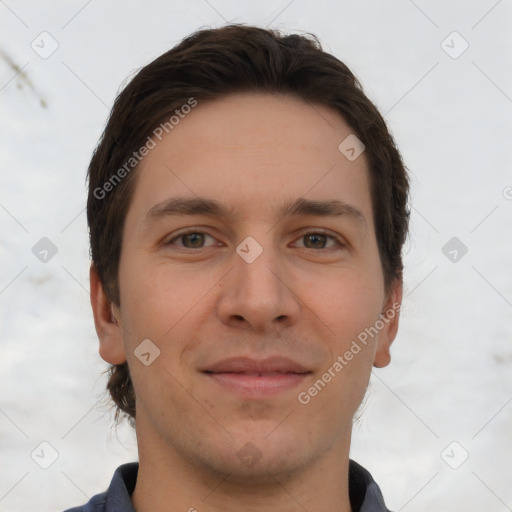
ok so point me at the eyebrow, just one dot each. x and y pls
(294, 208)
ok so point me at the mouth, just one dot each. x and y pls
(252, 378)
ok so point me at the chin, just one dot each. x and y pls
(255, 459)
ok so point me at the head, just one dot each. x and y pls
(253, 121)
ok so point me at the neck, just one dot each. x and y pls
(168, 482)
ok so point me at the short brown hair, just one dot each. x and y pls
(209, 64)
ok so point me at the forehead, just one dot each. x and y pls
(254, 149)
(239, 122)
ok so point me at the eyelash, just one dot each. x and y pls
(340, 244)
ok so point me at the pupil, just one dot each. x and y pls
(195, 238)
(316, 238)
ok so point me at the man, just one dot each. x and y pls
(247, 210)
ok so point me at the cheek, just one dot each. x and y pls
(351, 308)
(165, 304)
(349, 304)
(341, 383)
(152, 298)
(160, 305)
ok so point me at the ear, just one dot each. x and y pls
(108, 327)
(390, 315)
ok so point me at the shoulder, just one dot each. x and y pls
(97, 503)
(365, 495)
(117, 496)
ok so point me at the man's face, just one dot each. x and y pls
(247, 284)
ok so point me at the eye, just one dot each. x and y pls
(191, 240)
(311, 240)
(319, 240)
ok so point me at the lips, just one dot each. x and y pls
(251, 378)
(268, 366)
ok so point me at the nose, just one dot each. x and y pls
(258, 294)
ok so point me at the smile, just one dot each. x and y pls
(250, 378)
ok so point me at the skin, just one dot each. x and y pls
(304, 297)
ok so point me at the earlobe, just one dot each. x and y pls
(390, 318)
(108, 326)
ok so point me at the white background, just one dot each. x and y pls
(449, 379)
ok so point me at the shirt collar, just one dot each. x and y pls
(364, 493)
